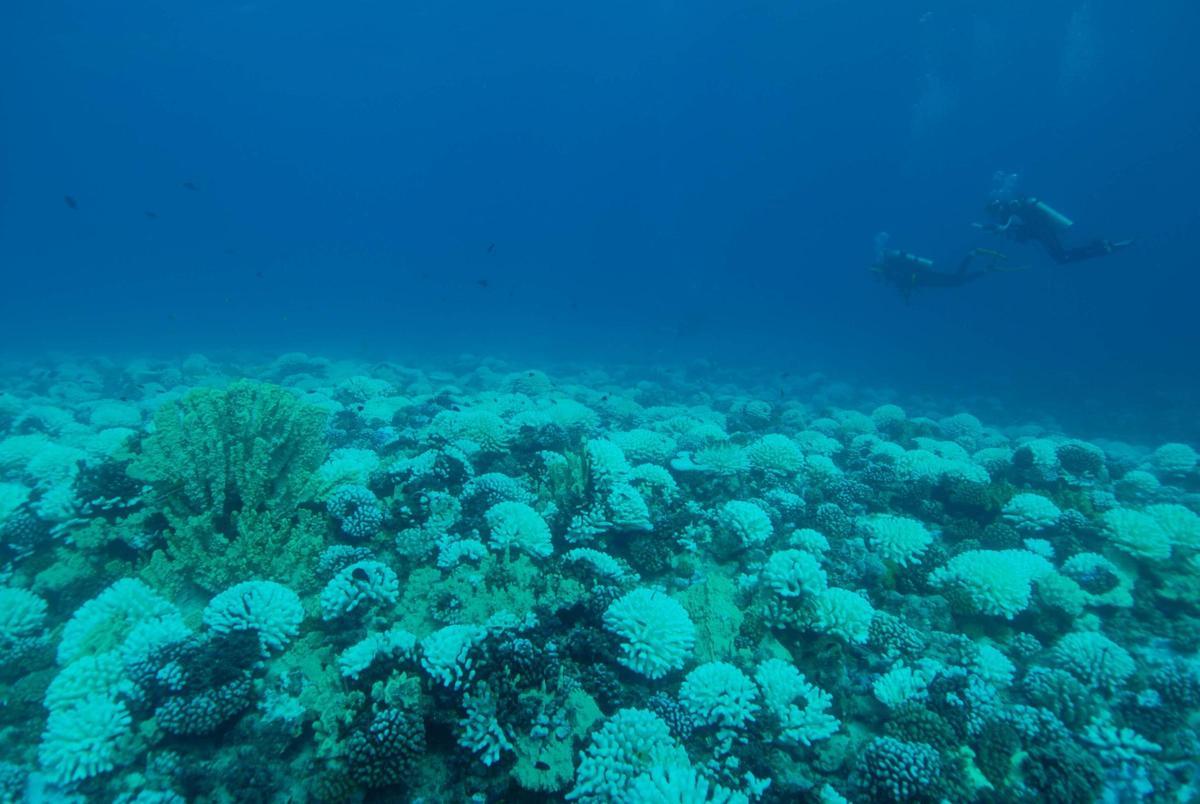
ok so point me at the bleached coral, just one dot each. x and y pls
(792, 573)
(360, 584)
(481, 732)
(813, 442)
(1094, 659)
(627, 509)
(1174, 459)
(630, 743)
(645, 445)
(446, 654)
(345, 467)
(453, 552)
(997, 582)
(1181, 524)
(1139, 486)
(1031, 513)
(22, 615)
(1102, 581)
(103, 623)
(993, 666)
(962, 427)
(809, 540)
(1138, 534)
(719, 694)
(657, 634)
(268, 608)
(12, 497)
(516, 525)
(102, 674)
(844, 613)
(681, 784)
(899, 685)
(607, 462)
(747, 524)
(482, 428)
(924, 466)
(393, 644)
(85, 740)
(602, 563)
(1039, 458)
(800, 708)
(896, 538)
(775, 453)
(720, 458)
(888, 417)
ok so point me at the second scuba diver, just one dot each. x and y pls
(1027, 218)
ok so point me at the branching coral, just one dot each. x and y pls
(230, 469)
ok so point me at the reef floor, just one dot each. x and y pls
(303, 579)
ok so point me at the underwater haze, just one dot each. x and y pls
(553, 401)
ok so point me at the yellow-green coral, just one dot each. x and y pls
(231, 468)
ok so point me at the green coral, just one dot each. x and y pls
(231, 469)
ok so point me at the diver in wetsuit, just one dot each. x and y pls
(1023, 219)
(907, 272)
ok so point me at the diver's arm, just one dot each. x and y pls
(997, 228)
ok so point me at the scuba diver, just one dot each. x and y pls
(1027, 218)
(907, 272)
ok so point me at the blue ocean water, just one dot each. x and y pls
(655, 179)
(427, 208)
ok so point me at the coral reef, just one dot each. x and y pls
(321, 580)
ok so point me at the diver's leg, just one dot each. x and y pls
(1096, 248)
(1056, 251)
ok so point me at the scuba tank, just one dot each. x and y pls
(1058, 220)
(910, 261)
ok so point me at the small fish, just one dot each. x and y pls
(187, 185)
(258, 274)
(70, 201)
(152, 216)
(483, 283)
(491, 248)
